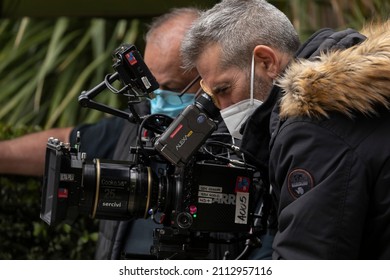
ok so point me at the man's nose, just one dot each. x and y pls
(223, 102)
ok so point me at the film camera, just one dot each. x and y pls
(180, 177)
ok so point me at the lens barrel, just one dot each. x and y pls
(117, 190)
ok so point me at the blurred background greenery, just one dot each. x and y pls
(47, 60)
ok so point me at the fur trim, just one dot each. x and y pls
(346, 81)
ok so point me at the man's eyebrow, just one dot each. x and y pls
(220, 87)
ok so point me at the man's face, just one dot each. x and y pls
(227, 85)
(163, 59)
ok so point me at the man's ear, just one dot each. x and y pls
(266, 61)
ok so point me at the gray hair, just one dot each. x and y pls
(238, 26)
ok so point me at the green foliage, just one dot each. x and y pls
(308, 16)
(23, 235)
(46, 64)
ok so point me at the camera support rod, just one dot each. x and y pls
(86, 100)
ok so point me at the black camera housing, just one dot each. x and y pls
(205, 196)
(171, 179)
(216, 198)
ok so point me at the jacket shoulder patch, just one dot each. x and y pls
(299, 182)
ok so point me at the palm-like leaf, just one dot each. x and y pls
(46, 64)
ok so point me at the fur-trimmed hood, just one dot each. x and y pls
(356, 79)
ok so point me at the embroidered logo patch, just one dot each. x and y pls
(299, 182)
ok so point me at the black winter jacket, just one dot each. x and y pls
(324, 139)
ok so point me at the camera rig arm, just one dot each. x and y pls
(86, 100)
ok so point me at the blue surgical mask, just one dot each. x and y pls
(170, 103)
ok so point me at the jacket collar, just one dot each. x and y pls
(348, 81)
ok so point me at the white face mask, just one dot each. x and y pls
(235, 115)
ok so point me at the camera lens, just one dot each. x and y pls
(116, 190)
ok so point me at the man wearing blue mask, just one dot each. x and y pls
(162, 55)
(133, 239)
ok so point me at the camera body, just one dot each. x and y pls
(216, 198)
(189, 198)
(173, 177)
(204, 196)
